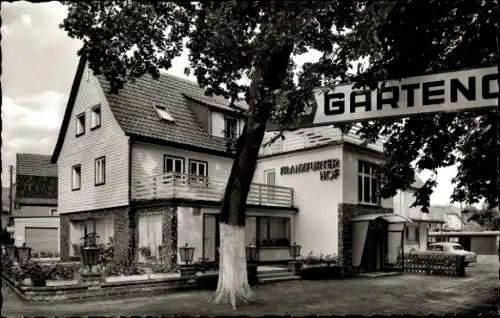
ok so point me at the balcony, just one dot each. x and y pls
(194, 187)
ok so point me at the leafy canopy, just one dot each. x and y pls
(431, 36)
(228, 41)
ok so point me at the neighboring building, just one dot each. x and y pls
(480, 242)
(416, 233)
(35, 217)
(450, 214)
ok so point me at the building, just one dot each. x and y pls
(451, 215)
(417, 232)
(335, 189)
(148, 168)
(35, 217)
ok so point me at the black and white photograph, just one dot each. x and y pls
(250, 158)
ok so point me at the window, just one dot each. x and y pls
(76, 176)
(230, 128)
(95, 117)
(80, 124)
(163, 113)
(53, 212)
(367, 183)
(412, 235)
(198, 171)
(100, 171)
(174, 165)
(273, 231)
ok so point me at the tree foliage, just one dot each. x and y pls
(416, 37)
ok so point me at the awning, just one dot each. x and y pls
(428, 221)
(390, 218)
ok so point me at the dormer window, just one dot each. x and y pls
(80, 124)
(163, 113)
(95, 117)
(230, 128)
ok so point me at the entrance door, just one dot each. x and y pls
(211, 237)
(375, 250)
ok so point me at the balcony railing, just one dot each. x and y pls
(194, 187)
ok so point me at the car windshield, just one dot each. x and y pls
(457, 247)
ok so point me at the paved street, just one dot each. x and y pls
(404, 294)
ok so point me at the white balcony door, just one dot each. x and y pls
(270, 179)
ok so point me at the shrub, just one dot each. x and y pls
(77, 249)
(321, 259)
(106, 252)
(162, 268)
(113, 269)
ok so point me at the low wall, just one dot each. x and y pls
(69, 293)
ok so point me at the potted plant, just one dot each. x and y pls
(37, 275)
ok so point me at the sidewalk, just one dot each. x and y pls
(402, 294)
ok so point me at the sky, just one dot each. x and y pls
(39, 62)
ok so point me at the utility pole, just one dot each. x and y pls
(11, 192)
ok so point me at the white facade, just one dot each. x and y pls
(316, 223)
(107, 141)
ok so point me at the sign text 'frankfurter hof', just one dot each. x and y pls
(443, 92)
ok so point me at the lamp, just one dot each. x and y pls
(89, 251)
(23, 253)
(187, 253)
(252, 253)
(294, 250)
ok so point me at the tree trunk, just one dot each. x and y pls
(233, 286)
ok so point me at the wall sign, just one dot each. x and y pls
(328, 169)
(464, 90)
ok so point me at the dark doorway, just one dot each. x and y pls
(375, 249)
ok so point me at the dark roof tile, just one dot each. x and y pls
(35, 165)
(134, 111)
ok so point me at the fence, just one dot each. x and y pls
(434, 264)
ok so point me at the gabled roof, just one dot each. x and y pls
(36, 180)
(133, 109)
(28, 164)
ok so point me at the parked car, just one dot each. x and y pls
(455, 248)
